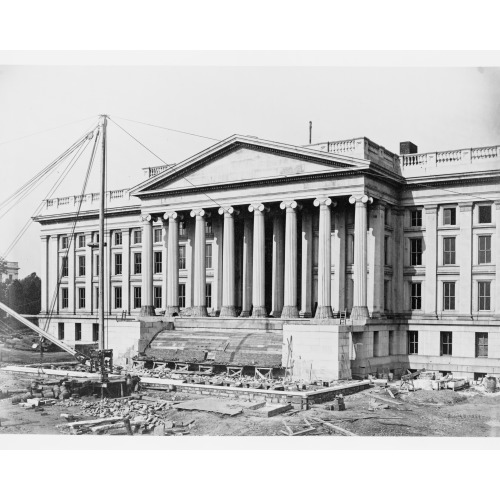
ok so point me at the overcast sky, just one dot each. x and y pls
(436, 108)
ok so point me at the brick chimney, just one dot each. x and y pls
(407, 148)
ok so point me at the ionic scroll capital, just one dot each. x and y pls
(325, 201)
(365, 199)
(290, 204)
(260, 207)
(228, 210)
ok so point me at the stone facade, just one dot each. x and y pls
(405, 246)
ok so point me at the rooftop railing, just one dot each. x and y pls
(87, 199)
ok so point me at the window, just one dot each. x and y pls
(137, 237)
(64, 298)
(182, 257)
(208, 294)
(387, 295)
(208, 256)
(137, 263)
(157, 235)
(484, 295)
(182, 228)
(137, 297)
(118, 297)
(416, 217)
(78, 331)
(60, 331)
(484, 249)
(95, 332)
(208, 227)
(81, 298)
(182, 295)
(386, 250)
(64, 266)
(448, 251)
(81, 241)
(376, 344)
(449, 295)
(481, 344)
(118, 263)
(392, 347)
(416, 251)
(158, 262)
(416, 296)
(96, 268)
(81, 265)
(64, 242)
(484, 214)
(118, 238)
(449, 216)
(446, 343)
(412, 342)
(157, 297)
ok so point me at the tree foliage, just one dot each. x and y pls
(24, 296)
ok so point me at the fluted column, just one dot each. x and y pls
(228, 276)
(247, 268)
(172, 263)
(259, 273)
(200, 268)
(147, 307)
(290, 309)
(360, 309)
(324, 310)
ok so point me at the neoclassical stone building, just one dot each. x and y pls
(338, 258)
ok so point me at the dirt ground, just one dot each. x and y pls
(422, 413)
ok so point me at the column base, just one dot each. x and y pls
(305, 314)
(323, 312)
(275, 314)
(172, 311)
(199, 311)
(290, 312)
(245, 314)
(259, 312)
(360, 312)
(228, 312)
(147, 311)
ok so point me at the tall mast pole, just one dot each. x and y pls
(102, 199)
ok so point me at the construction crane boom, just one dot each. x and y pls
(79, 356)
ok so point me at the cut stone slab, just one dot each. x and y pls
(213, 405)
(271, 410)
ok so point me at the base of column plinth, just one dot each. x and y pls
(200, 311)
(275, 314)
(228, 312)
(147, 311)
(290, 312)
(360, 312)
(305, 314)
(259, 312)
(245, 314)
(172, 311)
(323, 312)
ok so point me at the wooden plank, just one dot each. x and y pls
(335, 427)
(89, 422)
(305, 431)
(386, 400)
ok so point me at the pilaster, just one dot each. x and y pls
(147, 308)
(307, 264)
(463, 249)
(430, 259)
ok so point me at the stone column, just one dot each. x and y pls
(278, 276)
(247, 268)
(306, 282)
(147, 308)
(290, 309)
(200, 268)
(259, 270)
(228, 276)
(172, 274)
(463, 252)
(360, 309)
(44, 275)
(430, 260)
(324, 310)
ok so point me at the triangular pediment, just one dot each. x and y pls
(243, 162)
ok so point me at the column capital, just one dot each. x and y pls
(324, 200)
(145, 218)
(365, 199)
(290, 204)
(199, 212)
(173, 215)
(260, 207)
(228, 210)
